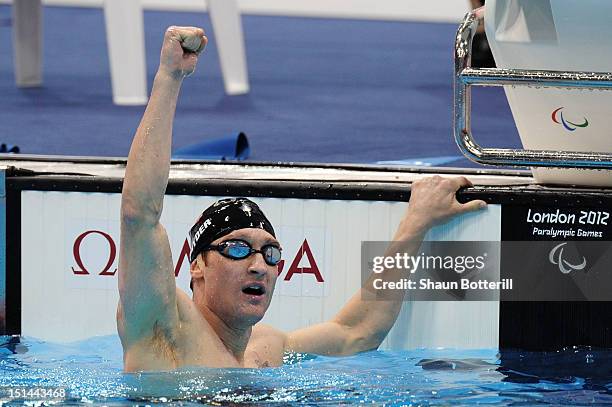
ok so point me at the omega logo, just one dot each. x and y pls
(76, 251)
(82, 268)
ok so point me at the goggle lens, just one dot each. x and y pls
(272, 255)
(238, 250)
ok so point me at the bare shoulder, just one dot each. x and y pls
(147, 299)
(192, 326)
(265, 330)
(264, 334)
(186, 306)
(162, 347)
(266, 347)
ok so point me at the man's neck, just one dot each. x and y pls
(234, 338)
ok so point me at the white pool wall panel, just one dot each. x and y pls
(59, 305)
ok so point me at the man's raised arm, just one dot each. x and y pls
(363, 323)
(146, 175)
(146, 283)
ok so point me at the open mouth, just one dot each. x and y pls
(254, 289)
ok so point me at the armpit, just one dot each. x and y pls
(163, 343)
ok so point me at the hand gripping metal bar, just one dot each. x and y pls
(465, 77)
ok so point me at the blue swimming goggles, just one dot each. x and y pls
(237, 249)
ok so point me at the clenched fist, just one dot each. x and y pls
(180, 50)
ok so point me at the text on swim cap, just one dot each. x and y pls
(201, 230)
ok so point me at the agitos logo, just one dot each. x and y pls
(82, 268)
(556, 257)
(557, 117)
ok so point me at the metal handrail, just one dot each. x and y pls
(466, 77)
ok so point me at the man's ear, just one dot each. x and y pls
(196, 268)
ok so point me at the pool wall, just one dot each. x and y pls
(69, 292)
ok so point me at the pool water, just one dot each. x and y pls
(91, 373)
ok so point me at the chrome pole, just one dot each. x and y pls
(466, 77)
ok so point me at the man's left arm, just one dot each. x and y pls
(363, 323)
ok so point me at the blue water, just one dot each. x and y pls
(91, 372)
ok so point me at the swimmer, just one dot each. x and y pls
(234, 258)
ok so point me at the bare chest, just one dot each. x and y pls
(209, 351)
(199, 345)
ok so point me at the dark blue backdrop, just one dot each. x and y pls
(322, 91)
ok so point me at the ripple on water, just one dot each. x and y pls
(91, 371)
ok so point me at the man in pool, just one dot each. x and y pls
(233, 260)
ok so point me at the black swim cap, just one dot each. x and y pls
(223, 217)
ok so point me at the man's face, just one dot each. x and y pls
(239, 291)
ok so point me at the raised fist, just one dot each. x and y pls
(180, 50)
